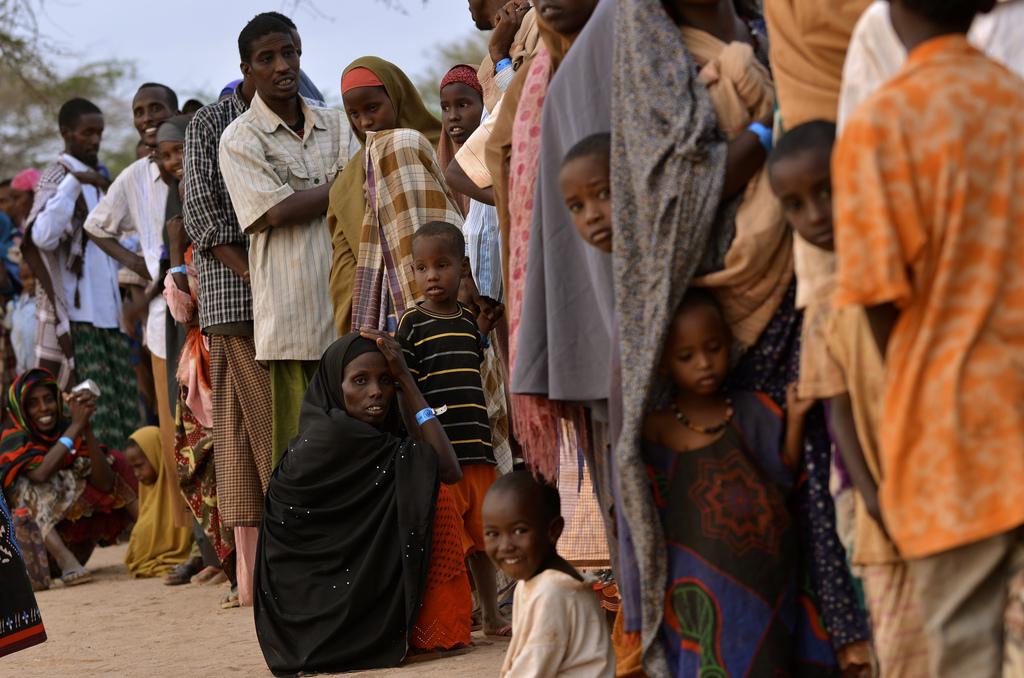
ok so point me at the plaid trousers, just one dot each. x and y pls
(242, 419)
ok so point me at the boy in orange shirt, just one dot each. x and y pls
(929, 199)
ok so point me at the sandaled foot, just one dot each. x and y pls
(501, 632)
(209, 575)
(231, 601)
(183, 573)
(76, 576)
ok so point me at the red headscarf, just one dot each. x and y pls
(464, 74)
(359, 77)
(446, 148)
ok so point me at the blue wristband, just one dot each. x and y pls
(179, 269)
(425, 415)
(764, 135)
(503, 64)
(67, 442)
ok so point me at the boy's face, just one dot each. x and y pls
(565, 17)
(438, 269)
(274, 67)
(171, 158)
(803, 184)
(696, 355)
(461, 109)
(143, 470)
(150, 108)
(82, 139)
(368, 388)
(370, 109)
(517, 538)
(587, 193)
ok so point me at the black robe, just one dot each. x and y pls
(345, 543)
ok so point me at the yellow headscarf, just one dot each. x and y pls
(347, 202)
(155, 545)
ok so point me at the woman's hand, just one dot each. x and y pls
(392, 352)
(82, 406)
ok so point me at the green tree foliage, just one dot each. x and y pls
(32, 91)
(470, 49)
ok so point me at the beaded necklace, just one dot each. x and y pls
(706, 430)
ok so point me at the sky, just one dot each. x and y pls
(192, 45)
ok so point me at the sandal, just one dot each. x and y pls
(230, 602)
(183, 573)
(78, 575)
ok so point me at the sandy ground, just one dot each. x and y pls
(117, 626)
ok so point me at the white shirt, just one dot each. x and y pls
(558, 629)
(136, 203)
(98, 296)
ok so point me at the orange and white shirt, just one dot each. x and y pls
(928, 180)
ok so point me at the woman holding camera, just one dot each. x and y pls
(78, 493)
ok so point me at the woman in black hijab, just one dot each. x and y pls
(346, 538)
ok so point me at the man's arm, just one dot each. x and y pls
(300, 207)
(122, 255)
(260, 198)
(210, 221)
(109, 221)
(53, 222)
(458, 181)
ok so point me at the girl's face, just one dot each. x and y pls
(42, 408)
(461, 109)
(368, 388)
(370, 109)
(143, 470)
(171, 158)
(696, 354)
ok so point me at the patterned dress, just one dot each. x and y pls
(733, 604)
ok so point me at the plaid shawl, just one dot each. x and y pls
(54, 341)
(404, 190)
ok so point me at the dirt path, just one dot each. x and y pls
(140, 628)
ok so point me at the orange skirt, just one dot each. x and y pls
(444, 621)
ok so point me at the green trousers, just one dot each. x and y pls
(288, 382)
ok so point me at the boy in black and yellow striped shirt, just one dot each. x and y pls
(444, 348)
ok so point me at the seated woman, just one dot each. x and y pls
(51, 463)
(156, 545)
(360, 553)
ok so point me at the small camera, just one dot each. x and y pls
(87, 385)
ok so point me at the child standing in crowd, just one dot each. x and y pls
(558, 628)
(21, 321)
(929, 178)
(586, 187)
(443, 347)
(720, 482)
(800, 173)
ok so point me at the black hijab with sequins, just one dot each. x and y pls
(345, 541)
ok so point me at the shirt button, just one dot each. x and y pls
(316, 181)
